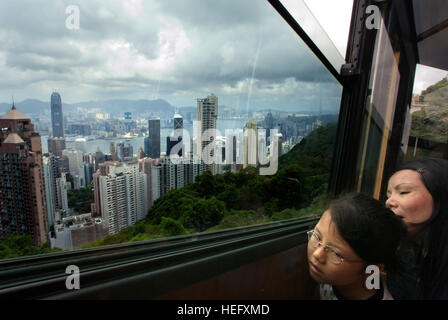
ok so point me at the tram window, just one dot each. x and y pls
(428, 115)
(161, 58)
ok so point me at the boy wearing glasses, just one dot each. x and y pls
(354, 232)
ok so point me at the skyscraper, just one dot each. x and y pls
(207, 117)
(268, 124)
(22, 188)
(171, 140)
(152, 148)
(178, 121)
(56, 115)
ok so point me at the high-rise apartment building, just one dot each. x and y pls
(140, 153)
(125, 152)
(77, 167)
(251, 143)
(57, 116)
(50, 175)
(61, 192)
(155, 181)
(56, 145)
(122, 194)
(23, 207)
(99, 158)
(146, 165)
(176, 175)
(207, 115)
(113, 151)
(192, 169)
(55, 188)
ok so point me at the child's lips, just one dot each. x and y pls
(314, 268)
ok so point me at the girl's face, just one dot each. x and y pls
(409, 199)
(322, 269)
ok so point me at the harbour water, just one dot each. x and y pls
(91, 146)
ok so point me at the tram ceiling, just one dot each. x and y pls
(431, 29)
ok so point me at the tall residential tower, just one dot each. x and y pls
(207, 117)
(23, 207)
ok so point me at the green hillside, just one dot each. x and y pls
(431, 121)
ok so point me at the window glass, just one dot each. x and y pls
(327, 23)
(427, 126)
(379, 115)
(127, 74)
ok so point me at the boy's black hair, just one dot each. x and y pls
(372, 231)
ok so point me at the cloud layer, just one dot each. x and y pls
(178, 50)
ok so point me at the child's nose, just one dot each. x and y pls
(319, 254)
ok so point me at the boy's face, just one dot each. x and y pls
(325, 271)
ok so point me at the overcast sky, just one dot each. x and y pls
(178, 50)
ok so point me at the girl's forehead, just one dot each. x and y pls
(405, 176)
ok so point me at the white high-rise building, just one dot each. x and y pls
(251, 143)
(50, 181)
(123, 193)
(76, 167)
(55, 189)
(61, 189)
(207, 115)
(74, 160)
(155, 180)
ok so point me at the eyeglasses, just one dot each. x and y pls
(333, 256)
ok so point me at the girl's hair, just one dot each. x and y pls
(434, 269)
(372, 231)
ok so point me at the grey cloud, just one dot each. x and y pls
(224, 37)
(217, 14)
